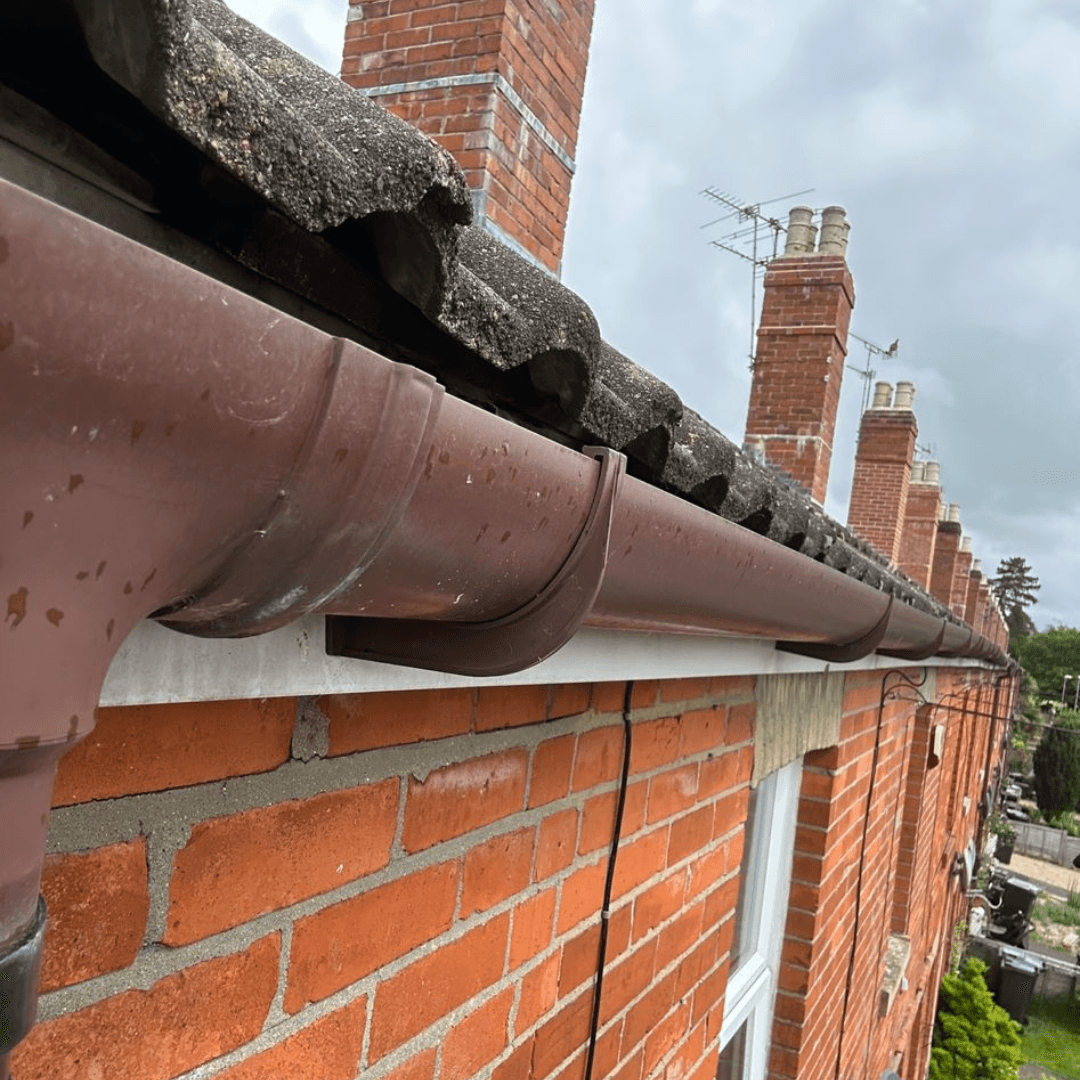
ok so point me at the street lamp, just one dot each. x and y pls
(1063, 682)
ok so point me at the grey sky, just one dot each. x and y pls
(949, 130)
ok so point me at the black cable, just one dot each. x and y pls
(605, 911)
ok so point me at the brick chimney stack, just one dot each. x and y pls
(946, 551)
(971, 604)
(499, 83)
(960, 577)
(883, 460)
(982, 609)
(801, 345)
(919, 532)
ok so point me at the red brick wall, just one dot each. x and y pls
(879, 486)
(802, 342)
(946, 550)
(539, 48)
(409, 885)
(971, 601)
(919, 534)
(874, 849)
(982, 609)
(958, 603)
(420, 900)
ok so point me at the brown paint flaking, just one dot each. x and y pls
(82, 575)
(149, 577)
(27, 518)
(137, 428)
(54, 615)
(100, 569)
(128, 589)
(109, 629)
(340, 455)
(16, 606)
(74, 481)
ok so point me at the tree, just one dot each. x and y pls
(1048, 657)
(1015, 587)
(1057, 766)
(974, 1039)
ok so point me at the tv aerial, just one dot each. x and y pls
(868, 374)
(751, 231)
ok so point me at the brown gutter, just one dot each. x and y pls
(176, 448)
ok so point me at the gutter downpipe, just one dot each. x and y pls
(188, 453)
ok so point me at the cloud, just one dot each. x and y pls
(315, 28)
(891, 127)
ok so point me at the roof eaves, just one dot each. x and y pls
(354, 177)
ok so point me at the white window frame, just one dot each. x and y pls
(751, 987)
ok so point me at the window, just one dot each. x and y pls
(745, 1037)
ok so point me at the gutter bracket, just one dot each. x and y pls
(846, 653)
(511, 642)
(922, 653)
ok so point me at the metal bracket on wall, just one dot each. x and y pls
(843, 654)
(512, 642)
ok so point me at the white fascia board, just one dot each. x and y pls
(157, 665)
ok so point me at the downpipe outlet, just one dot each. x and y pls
(26, 783)
(20, 967)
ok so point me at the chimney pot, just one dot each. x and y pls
(976, 566)
(965, 544)
(918, 472)
(932, 472)
(882, 395)
(905, 396)
(801, 231)
(954, 513)
(834, 231)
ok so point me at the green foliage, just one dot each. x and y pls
(1052, 1037)
(1015, 587)
(1048, 911)
(1002, 827)
(974, 1039)
(1057, 766)
(1050, 656)
(1065, 820)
